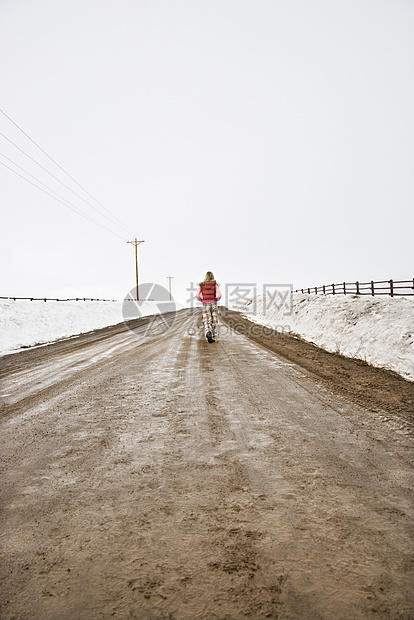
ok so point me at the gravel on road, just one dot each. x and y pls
(148, 474)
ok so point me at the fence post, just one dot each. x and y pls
(316, 290)
(392, 288)
(323, 288)
(333, 289)
(372, 288)
(344, 288)
(357, 286)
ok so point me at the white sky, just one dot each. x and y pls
(268, 141)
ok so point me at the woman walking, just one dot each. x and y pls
(209, 294)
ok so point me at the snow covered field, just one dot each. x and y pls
(28, 323)
(379, 330)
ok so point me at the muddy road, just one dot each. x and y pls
(160, 477)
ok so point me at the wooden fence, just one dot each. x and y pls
(48, 299)
(393, 288)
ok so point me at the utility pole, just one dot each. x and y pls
(136, 243)
(170, 278)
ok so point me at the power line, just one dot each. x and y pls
(64, 171)
(63, 201)
(67, 203)
(136, 244)
(169, 282)
(59, 181)
(33, 177)
(56, 163)
(150, 257)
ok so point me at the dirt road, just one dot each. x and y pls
(163, 477)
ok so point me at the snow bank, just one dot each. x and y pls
(25, 323)
(379, 330)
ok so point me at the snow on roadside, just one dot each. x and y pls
(25, 323)
(379, 330)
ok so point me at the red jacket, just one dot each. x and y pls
(208, 292)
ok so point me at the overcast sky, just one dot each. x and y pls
(268, 141)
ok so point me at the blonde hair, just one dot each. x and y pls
(209, 277)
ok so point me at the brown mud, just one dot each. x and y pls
(156, 476)
(368, 386)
